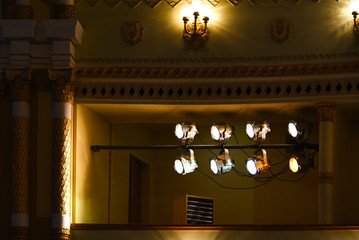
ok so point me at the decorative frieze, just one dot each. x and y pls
(63, 85)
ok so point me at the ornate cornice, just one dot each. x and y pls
(173, 3)
(218, 72)
(348, 56)
(20, 84)
(326, 111)
(62, 83)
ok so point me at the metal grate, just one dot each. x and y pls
(199, 210)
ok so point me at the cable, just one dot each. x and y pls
(204, 143)
(235, 137)
(234, 188)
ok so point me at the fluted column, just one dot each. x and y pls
(65, 9)
(326, 161)
(61, 156)
(21, 94)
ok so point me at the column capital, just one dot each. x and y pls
(20, 83)
(65, 11)
(326, 111)
(62, 84)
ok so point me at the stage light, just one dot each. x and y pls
(257, 130)
(258, 163)
(299, 130)
(221, 132)
(186, 132)
(186, 163)
(301, 162)
(222, 163)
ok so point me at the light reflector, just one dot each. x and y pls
(186, 132)
(222, 163)
(221, 132)
(186, 163)
(258, 163)
(257, 130)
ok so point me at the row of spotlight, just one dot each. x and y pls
(258, 163)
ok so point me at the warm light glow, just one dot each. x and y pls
(213, 165)
(251, 166)
(179, 131)
(293, 165)
(250, 130)
(178, 166)
(292, 129)
(203, 8)
(215, 134)
(354, 6)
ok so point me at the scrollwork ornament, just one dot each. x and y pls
(280, 30)
(62, 84)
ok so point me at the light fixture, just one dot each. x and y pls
(355, 26)
(195, 33)
(258, 163)
(186, 132)
(300, 162)
(257, 130)
(186, 163)
(221, 132)
(222, 163)
(299, 130)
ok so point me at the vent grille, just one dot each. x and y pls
(199, 210)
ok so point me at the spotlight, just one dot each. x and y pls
(221, 132)
(186, 132)
(299, 130)
(257, 130)
(222, 163)
(301, 162)
(186, 163)
(258, 163)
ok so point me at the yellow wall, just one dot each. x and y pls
(241, 31)
(91, 169)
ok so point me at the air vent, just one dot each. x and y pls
(199, 210)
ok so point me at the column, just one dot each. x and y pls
(65, 9)
(21, 95)
(23, 9)
(326, 160)
(61, 152)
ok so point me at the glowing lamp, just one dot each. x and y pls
(186, 163)
(222, 163)
(257, 130)
(186, 132)
(221, 132)
(258, 163)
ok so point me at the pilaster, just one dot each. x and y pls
(21, 94)
(63, 94)
(326, 161)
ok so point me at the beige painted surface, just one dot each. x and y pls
(240, 31)
(91, 170)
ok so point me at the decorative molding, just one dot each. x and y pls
(343, 57)
(326, 111)
(173, 3)
(23, 11)
(280, 30)
(62, 83)
(230, 90)
(133, 32)
(219, 72)
(65, 11)
(19, 81)
(325, 177)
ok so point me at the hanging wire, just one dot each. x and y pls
(235, 188)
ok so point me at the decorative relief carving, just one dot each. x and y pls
(325, 177)
(326, 111)
(154, 3)
(61, 234)
(62, 83)
(133, 32)
(61, 165)
(219, 72)
(23, 11)
(65, 11)
(19, 83)
(280, 30)
(342, 57)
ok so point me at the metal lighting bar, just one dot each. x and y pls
(97, 148)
